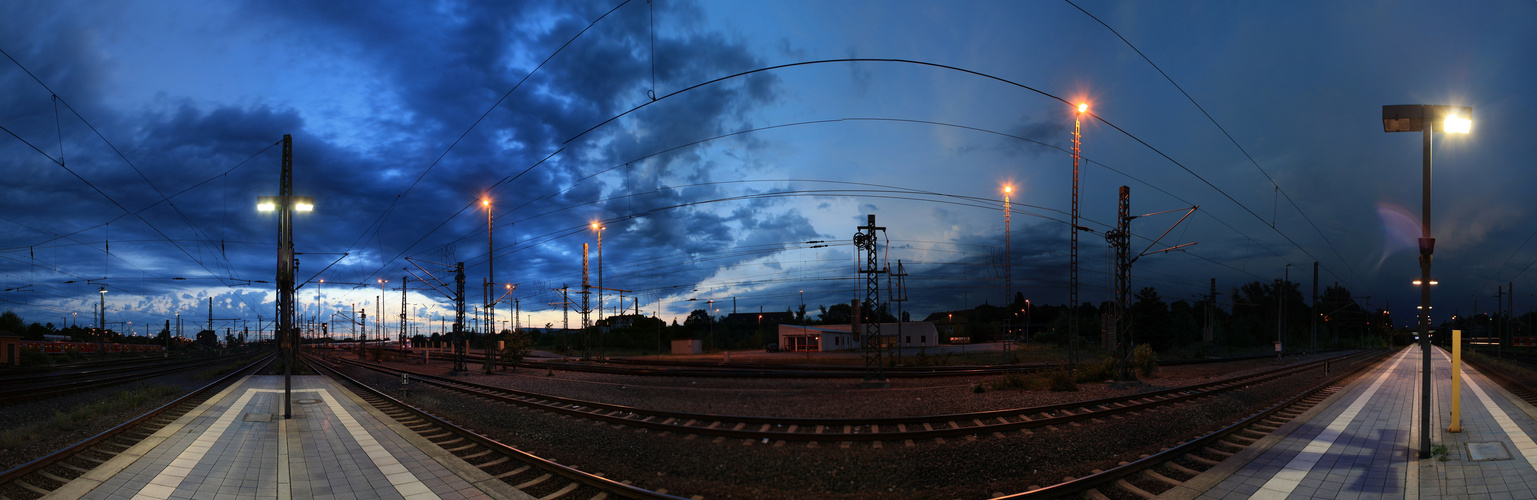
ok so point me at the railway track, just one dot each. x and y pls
(42, 386)
(1159, 472)
(666, 368)
(39, 477)
(907, 430)
(1519, 388)
(536, 476)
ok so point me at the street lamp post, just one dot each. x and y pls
(285, 203)
(1425, 119)
(602, 345)
(1008, 274)
(1072, 302)
(490, 288)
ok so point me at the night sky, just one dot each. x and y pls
(404, 115)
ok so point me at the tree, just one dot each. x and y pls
(1151, 319)
(11, 322)
(516, 346)
(838, 314)
(697, 320)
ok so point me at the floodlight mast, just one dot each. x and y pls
(1426, 118)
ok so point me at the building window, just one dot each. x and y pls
(909, 339)
(923, 339)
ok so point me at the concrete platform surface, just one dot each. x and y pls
(1363, 443)
(237, 445)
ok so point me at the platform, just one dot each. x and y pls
(1363, 442)
(237, 445)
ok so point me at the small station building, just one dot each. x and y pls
(820, 338)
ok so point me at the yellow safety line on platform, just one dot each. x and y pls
(1287, 479)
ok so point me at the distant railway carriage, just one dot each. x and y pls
(53, 347)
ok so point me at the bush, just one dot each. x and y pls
(34, 358)
(1095, 372)
(1061, 380)
(1144, 360)
(978, 389)
(1018, 381)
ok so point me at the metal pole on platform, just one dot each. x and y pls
(1424, 119)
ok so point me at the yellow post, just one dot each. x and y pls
(1456, 382)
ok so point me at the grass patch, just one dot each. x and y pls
(1021, 382)
(1061, 380)
(81, 416)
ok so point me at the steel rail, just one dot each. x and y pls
(140, 373)
(853, 429)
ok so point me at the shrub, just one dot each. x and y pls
(1144, 360)
(1018, 381)
(1095, 372)
(1061, 380)
(34, 358)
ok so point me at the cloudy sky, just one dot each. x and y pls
(731, 148)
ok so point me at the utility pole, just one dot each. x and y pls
(1120, 240)
(1208, 334)
(899, 297)
(458, 339)
(1280, 319)
(586, 307)
(867, 242)
(1315, 307)
(403, 308)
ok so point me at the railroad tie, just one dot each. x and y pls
(820, 428)
(1154, 475)
(901, 427)
(1214, 451)
(747, 442)
(561, 492)
(876, 444)
(909, 443)
(690, 436)
(719, 439)
(939, 440)
(1133, 489)
(813, 444)
(997, 434)
(713, 425)
(496, 462)
(848, 429)
(739, 426)
(846, 444)
(779, 443)
(514, 472)
(765, 428)
(670, 420)
(979, 423)
(793, 427)
(1182, 469)
(1003, 420)
(533, 482)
